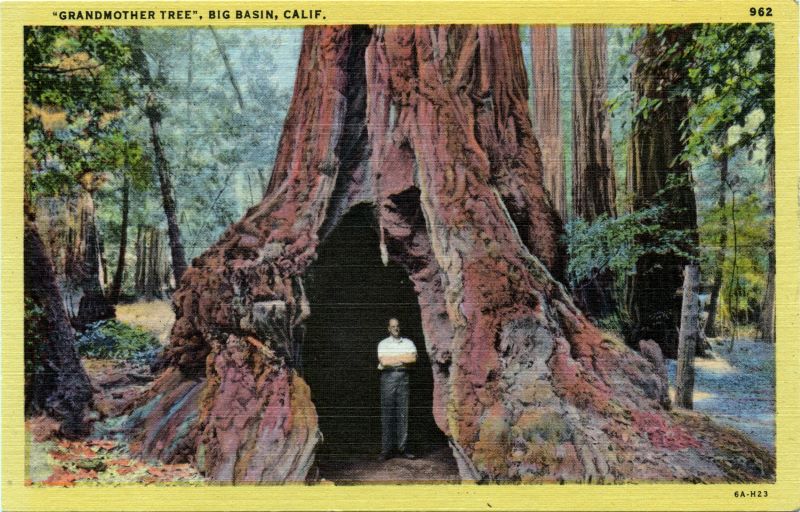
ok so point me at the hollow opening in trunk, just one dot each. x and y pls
(353, 296)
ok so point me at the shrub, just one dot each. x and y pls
(110, 339)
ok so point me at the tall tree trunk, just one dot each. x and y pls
(56, 383)
(119, 274)
(93, 305)
(430, 125)
(154, 112)
(689, 338)
(719, 257)
(547, 112)
(141, 256)
(153, 278)
(593, 184)
(167, 194)
(101, 254)
(767, 317)
(228, 68)
(657, 176)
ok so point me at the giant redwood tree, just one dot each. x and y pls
(428, 125)
(659, 176)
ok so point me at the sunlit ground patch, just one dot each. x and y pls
(697, 396)
(713, 365)
(156, 317)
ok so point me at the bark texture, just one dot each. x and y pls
(656, 176)
(56, 383)
(689, 338)
(547, 112)
(430, 120)
(593, 183)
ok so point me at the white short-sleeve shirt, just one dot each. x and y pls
(395, 346)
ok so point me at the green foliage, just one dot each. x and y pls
(111, 339)
(75, 93)
(616, 243)
(743, 269)
(727, 72)
(35, 325)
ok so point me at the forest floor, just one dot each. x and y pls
(432, 467)
(737, 388)
(734, 388)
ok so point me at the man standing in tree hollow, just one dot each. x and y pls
(395, 355)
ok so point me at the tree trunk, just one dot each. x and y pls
(547, 112)
(593, 184)
(689, 338)
(119, 274)
(101, 253)
(56, 383)
(141, 256)
(719, 257)
(153, 279)
(657, 176)
(228, 68)
(430, 125)
(93, 305)
(167, 196)
(767, 318)
(154, 112)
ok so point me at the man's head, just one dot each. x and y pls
(394, 327)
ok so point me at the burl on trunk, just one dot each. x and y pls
(431, 120)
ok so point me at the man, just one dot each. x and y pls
(395, 355)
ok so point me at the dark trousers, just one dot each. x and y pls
(394, 410)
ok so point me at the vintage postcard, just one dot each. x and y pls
(400, 255)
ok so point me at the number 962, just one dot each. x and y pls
(761, 11)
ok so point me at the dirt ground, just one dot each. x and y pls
(437, 466)
(737, 388)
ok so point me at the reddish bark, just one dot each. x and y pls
(547, 112)
(593, 183)
(429, 120)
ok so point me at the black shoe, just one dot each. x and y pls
(409, 456)
(383, 457)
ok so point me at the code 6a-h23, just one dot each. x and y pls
(750, 494)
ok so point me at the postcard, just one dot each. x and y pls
(400, 255)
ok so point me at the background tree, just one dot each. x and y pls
(593, 183)
(547, 111)
(719, 258)
(154, 112)
(688, 338)
(658, 176)
(730, 80)
(73, 95)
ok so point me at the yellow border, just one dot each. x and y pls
(783, 495)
